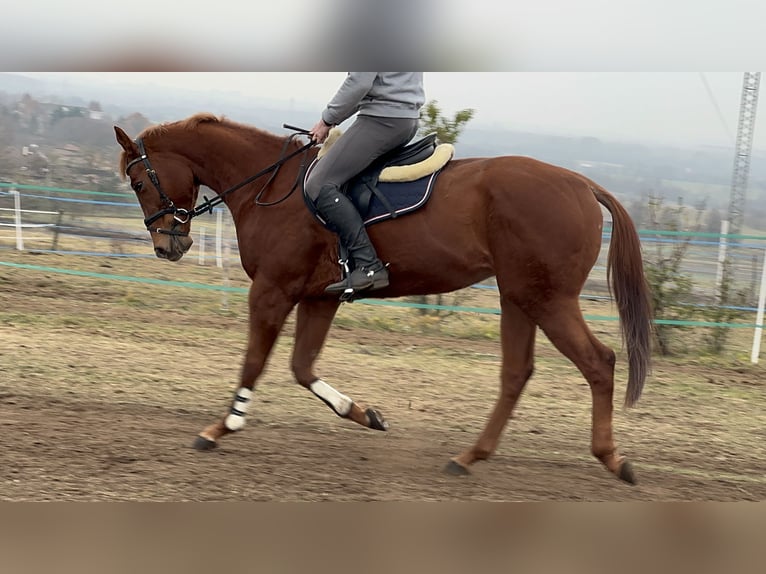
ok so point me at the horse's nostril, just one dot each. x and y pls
(161, 252)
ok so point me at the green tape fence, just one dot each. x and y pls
(379, 302)
(24, 187)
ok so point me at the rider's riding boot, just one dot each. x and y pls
(343, 218)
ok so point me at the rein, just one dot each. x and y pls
(182, 215)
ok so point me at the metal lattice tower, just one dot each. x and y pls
(747, 109)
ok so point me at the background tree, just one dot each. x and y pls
(671, 288)
(134, 123)
(9, 160)
(728, 309)
(713, 221)
(447, 129)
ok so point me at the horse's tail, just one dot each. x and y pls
(627, 282)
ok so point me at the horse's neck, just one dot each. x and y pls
(226, 156)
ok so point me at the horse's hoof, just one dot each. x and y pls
(626, 473)
(376, 420)
(202, 443)
(456, 469)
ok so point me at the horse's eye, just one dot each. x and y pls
(138, 186)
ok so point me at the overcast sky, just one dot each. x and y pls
(669, 107)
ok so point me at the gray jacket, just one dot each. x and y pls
(383, 94)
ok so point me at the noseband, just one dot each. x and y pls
(181, 215)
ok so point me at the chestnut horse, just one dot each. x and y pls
(536, 227)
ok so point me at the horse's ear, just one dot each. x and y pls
(124, 140)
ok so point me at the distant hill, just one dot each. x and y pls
(160, 104)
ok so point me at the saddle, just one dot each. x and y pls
(376, 192)
(363, 188)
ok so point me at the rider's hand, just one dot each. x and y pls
(319, 132)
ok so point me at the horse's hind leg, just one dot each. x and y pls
(312, 324)
(517, 334)
(565, 326)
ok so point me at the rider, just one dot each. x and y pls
(388, 106)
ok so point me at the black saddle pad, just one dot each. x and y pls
(391, 200)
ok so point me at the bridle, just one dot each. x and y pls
(182, 215)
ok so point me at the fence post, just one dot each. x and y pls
(201, 246)
(17, 219)
(218, 236)
(759, 315)
(721, 257)
(55, 242)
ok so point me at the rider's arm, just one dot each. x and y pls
(346, 101)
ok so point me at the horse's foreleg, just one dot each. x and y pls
(268, 310)
(313, 322)
(517, 334)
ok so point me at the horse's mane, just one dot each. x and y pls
(189, 124)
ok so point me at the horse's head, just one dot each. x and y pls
(168, 205)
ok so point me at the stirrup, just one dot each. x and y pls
(348, 292)
(347, 296)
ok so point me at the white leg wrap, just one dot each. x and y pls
(338, 402)
(236, 419)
